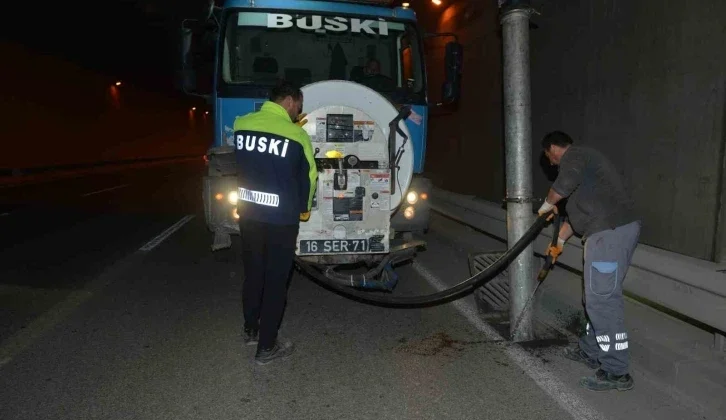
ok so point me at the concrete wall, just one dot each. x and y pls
(56, 113)
(465, 152)
(642, 81)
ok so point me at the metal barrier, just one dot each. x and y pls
(689, 286)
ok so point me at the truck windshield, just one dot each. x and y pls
(261, 48)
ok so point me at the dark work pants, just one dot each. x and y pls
(607, 259)
(267, 253)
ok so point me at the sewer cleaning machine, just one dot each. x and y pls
(361, 68)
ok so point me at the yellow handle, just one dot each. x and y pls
(301, 121)
(333, 154)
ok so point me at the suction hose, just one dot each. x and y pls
(443, 296)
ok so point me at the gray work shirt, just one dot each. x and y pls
(598, 199)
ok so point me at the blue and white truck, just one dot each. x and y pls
(361, 68)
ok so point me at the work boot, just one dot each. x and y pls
(251, 336)
(281, 349)
(578, 355)
(604, 381)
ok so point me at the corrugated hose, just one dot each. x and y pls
(342, 285)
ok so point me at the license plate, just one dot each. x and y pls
(333, 246)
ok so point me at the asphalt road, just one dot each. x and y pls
(57, 236)
(95, 327)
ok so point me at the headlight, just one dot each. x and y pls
(409, 213)
(233, 197)
(412, 197)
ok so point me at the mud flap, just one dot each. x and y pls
(221, 241)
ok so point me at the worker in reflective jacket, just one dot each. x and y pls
(600, 210)
(276, 179)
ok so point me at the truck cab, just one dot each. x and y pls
(361, 67)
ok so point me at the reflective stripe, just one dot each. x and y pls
(257, 197)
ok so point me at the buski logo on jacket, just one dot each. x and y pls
(323, 24)
(261, 144)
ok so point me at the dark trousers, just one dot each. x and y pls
(267, 253)
(607, 258)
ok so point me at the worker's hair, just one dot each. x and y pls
(557, 138)
(284, 89)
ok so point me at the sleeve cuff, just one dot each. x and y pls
(558, 190)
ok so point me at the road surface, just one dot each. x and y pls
(113, 307)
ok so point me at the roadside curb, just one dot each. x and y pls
(669, 353)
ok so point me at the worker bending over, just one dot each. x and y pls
(600, 210)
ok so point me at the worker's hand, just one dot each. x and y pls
(301, 121)
(304, 217)
(546, 208)
(556, 250)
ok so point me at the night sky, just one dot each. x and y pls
(134, 40)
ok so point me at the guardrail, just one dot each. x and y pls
(689, 286)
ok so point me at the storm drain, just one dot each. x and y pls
(494, 295)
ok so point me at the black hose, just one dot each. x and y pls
(443, 296)
(369, 279)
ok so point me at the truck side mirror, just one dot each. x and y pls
(453, 61)
(194, 67)
(188, 75)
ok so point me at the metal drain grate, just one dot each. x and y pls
(493, 296)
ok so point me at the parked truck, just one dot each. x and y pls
(362, 71)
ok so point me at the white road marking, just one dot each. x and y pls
(105, 190)
(5, 214)
(558, 391)
(165, 234)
